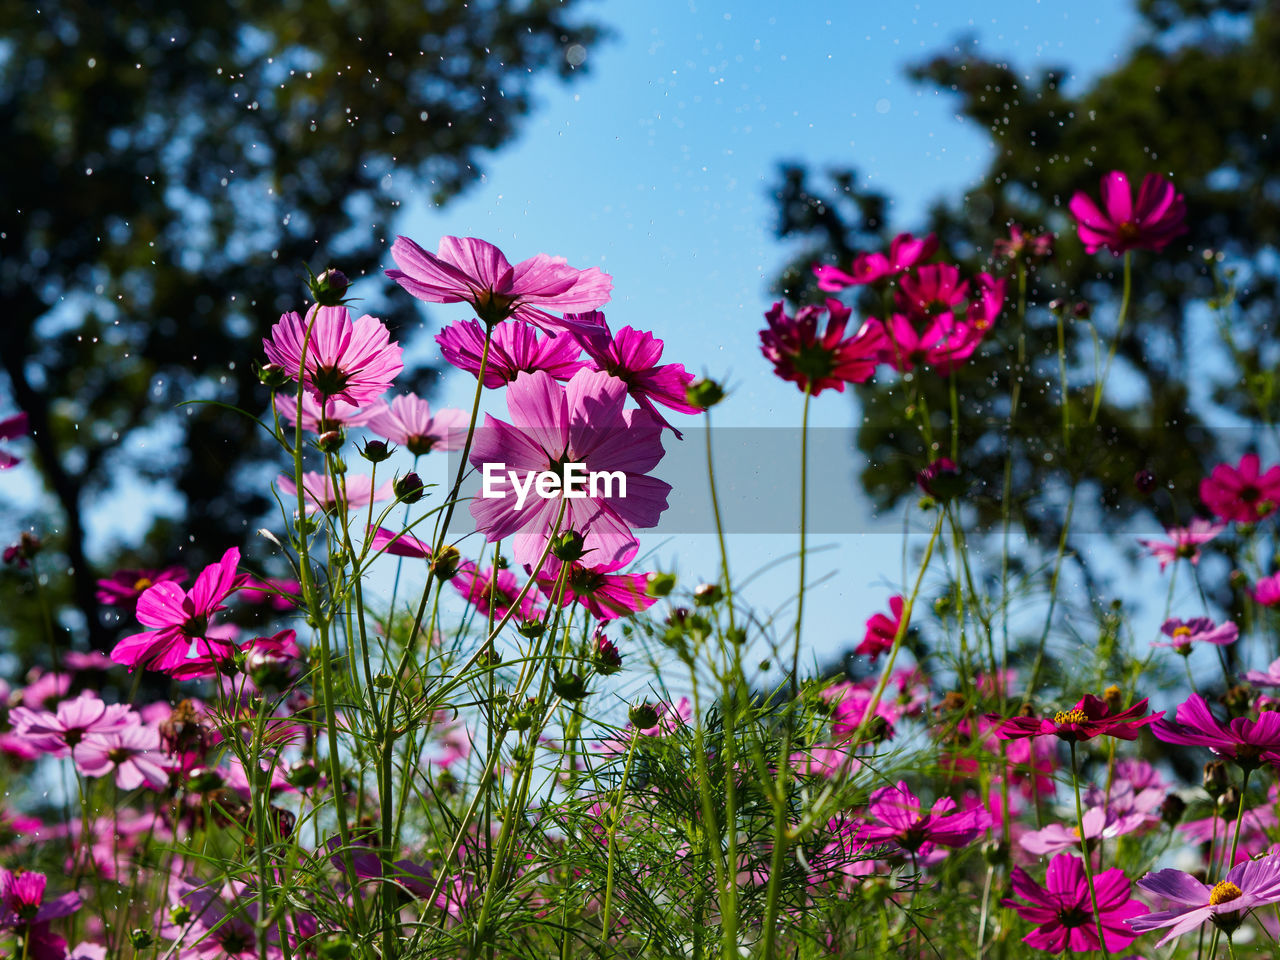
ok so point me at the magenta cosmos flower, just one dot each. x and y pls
(514, 348)
(124, 587)
(882, 630)
(1243, 740)
(1121, 225)
(905, 251)
(632, 356)
(1267, 590)
(403, 544)
(803, 356)
(932, 327)
(574, 431)
(1089, 718)
(58, 732)
(179, 618)
(605, 593)
(351, 361)
(1183, 633)
(408, 421)
(1184, 542)
(355, 491)
(1247, 885)
(494, 592)
(1063, 909)
(22, 900)
(1242, 493)
(902, 819)
(1265, 678)
(468, 270)
(10, 429)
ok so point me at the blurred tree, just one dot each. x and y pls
(1197, 99)
(171, 168)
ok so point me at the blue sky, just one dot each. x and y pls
(656, 166)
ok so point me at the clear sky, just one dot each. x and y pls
(656, 166)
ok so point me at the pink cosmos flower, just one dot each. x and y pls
(632, 356)
(351, 361)
(850, 702)
(514, 348)
(903, 820)
(10, 429)
(124, 587)
(45, 689)
(22, 900)
(1156, 219)
(606, 594)
(1089, 718)
(882, 630)
(1244, 740)
(1184, 542)
(468, 270)
(496, 598)
(554, 428)
(803, 356)
(1256, 823)
(1022, 245)
(282, 646)
(319, 418)
(1254, 883)
(1242, 493)
(408, 421)
(1063, 909)
(905, 251)
(1100, 823)
(355, 491)
(1265, 678)
(1183, 633)
(57, 733)
(133, 753)
(403, 544)
(179, 618)
(943, 339)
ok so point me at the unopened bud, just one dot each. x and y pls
(444, 564)
(140, 939)
(706, 594)
(1172, 809)
(659, 584)
(643, 716)
(1145, 481)
(704, 393)
(569, 686)
(375, 451)
(531, 629)
(330, 287)
(330, 441)
(408, 489)
(303, 776)
(271, 374)
(606, 658)
(568, 547)
(1215, 778)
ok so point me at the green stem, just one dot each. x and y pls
(1084, 849)
(1115, 342)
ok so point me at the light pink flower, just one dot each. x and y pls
(1100, 823)
(554, 426)
(514, 348)
(57, 733)
(355, 491)
(1254, 883)
(1183, 633)
(1183, 542)
(132, 752)
(124, 587)
(408, 421)
(1265, 678)
(468, 270)
(317, 418)
(351, 361)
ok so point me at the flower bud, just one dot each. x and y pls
(445, 562)
(271, 375)
(1145, 481)
(1111, 697)
(338, 466)
(995, 853)
(704, 393)
(329, 288)
(1082, 310)
(180, 915)
(531, 629)
(941, 479)
(375, 451)
(706, 594)
(408, 489)
(330, 441)
(643, 716)
(140, 939)
(606, 658)
(569, 686)
(736, 635)
(489, 657)
(269, 669)
(568, 546)
(522, 719)
(1215, 778)
(1238, 699)
(1172, 809)
(660, 584)
(25, 549)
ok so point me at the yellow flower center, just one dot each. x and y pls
(1069, 716)
(141, 583)
(1224, 892)
(1180, 632)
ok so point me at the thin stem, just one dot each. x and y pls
(1084, 849)
(1115, 342)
